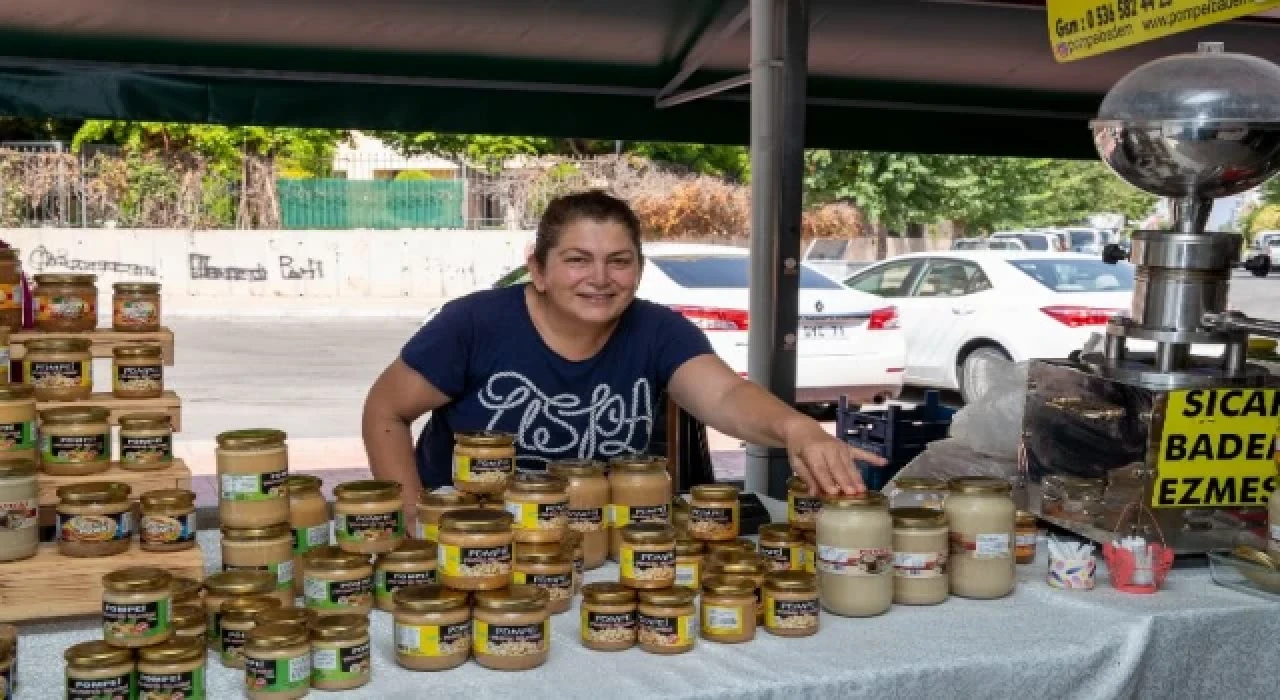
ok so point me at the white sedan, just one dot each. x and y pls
(849, 342)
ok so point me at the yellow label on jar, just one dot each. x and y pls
(722, 618)
(519, 577)
(428, 532)
(433, 640)
(473, 561)
(627, 561)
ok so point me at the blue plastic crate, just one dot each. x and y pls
(896, 433)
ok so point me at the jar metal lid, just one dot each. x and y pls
(796, 484)
(917, 518)
(1022, 517)
(187, 615)
(791, 581)
(412, 550)
(294, 616)
(688, 547)
(58, 345)
(367, 491)
(515, 598)
(676, 595)
(342, 626)
(779, 532)
(63, 278)
(136, 579)
(137, 350)
(251, 439)
(173, 651)
(186, 588)
(728, 585)
(143, 421)
(866, 499)
(734, 561)
(607, 592)
(429, 597)
(167, 497)
(246, 608)
(556, 557)
(228, 583)
(303, 483)
(275, 636)
(540, 547)
(649, 533)
(565, 468)
(447, 498)
(136, 287)
(484, 438)
(96, 654)
(638, 464)
(17, 468)
(75, 414)
(476, 520)
(94, 492)
(979, 484)
(537, 483)
(333, 557)
(738, 545)
(715, 492)
(252, 534)
(16, 392)
(920, 483)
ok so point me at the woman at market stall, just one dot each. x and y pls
(572, 364)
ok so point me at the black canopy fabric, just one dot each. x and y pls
(912, 75)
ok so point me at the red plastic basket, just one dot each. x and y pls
(1121, 565)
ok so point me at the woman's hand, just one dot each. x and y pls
(825, 462)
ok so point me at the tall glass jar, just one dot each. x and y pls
(59, 369)
(11, 292)
(982, 517)
(137, 371)
(253, 472)
(917, 492)
(920, 551)
(309, 519)
(66, 303)
(18, 435)
(19, 509)
(135, 307)
(640, 491)
(588, 498)
(855, 555)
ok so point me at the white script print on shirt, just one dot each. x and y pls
(565, 426)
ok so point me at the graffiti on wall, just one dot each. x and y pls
(41, 259)
(202, 270)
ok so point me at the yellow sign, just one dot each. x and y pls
(1082, 28)
(1217, 448)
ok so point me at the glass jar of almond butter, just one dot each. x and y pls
(539, 507)
(483, 461)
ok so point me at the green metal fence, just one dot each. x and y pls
(331, 203)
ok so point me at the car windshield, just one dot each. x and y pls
(1078, 275)
(725, 272)
(1034, 242)
(1083, 238)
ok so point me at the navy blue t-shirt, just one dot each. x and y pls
(484, 353)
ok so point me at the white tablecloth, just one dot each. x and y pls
(1191, 640)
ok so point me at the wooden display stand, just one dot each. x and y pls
(169, 403)
(101, 341)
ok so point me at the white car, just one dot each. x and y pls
(963, 308)
(849, 342)
(1031, 240)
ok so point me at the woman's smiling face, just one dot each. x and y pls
(592, 271)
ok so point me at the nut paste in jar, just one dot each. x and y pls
(413, 563)
(337, 582)
(690, 554)
(253, 471)
(309, 518)
(433, 504)
(146, 441)
(802, 509)
(135, 307)
(475, 549)
(550, 571)
(640, 491)
(18, 435)
(511, 630)
(98, 670)
(239, 616)
(739, 563)
(75, 440)
(340, 658)
(432, 628)
(221, 587)
(713, 512)
(647, 558)
(189, 622)
(920, 552)
(855, 555)
(1026, 537)
(483, 461)
(268, 548)
(782, 547)
(11, 290)
(19, 509)
(137, 371)
(66, 303)
(666, 620)
(277, 662)
(791, 604)
(368, 516)
(175, 669)
(982, 516)
(168, 522)
(136, 605)
(95, 519)
(59, 369)
(608, 613)
(588, 499)
(539, 507)
(728, 609)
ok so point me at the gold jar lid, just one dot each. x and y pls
(329, 557)
(17, 468)
(714, 492)
(338, 627)
(734, 561)
(58, 345)
(566, 468)
(779, 532)
(728, 585)
(539, 547)
(920, 483)
(557, 557)
(187, 615)
(16, 392)
(796, 484)
(277, 635)
(607, 592)
(175, 650)
(1022, 517)
(447, 498)
(186, 588)
(689, 547)
(70, 415)
(136, 287)
(738, 545)
(429, 597)
(291, 615)
(91, 656)
(145, 421)
(255, 438)
(791, 581)
(515, 598)
(137, 350)
(649, 533)
(247, 608)
(411, 550)
(303, 483)
(537, 483)
(137, 579)
(159, 498)
(918, 518)
(484, 438)
(979, 484)
(866, 499)
(638, 464)
(676, 595)
(476, 520)
(64, 278)
(367, 491)
(94, 492)
(233, 583)
(253, 534)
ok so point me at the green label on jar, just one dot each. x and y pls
(386, 583)
(254, 487)
(307, 538)
(115, 688)
(344, 664)
(135, 620)
(17, 436)
(146, 450)
(369, 527)
(172, 686)
(277, 675)
(74, 449)
(283, 571)
(337, 595)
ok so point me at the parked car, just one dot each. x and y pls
(1086, 240)
(987, 244)
(1032, 240)
(849, 342)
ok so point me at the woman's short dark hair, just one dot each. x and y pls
(592, 205)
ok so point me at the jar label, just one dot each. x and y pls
(115, 687)
(17, 436)
(136, 312)
(283, 571)
(689, 574)
(74, 449)
(427, 531)
(872, 561)
(63, 308)
(369, 527)
(721, 618)
(59, 375)
(646, 566)
(19, 514)
(810, 559)
(482, 468)
(511, 640)
(93, 528)
(989, 546)
(172, 686)
(586, 519)
(784, 558)
(336, 595)
(139, 378)
(386, 583)
(713, 522)
(802, 509)
(307, 538)
(149, 449)
(474, 561)
(165, 529)
(135, 620)
(790, 614)
(608, 627)
(433, 640)
(538, 516)
(919, 564)
(557, 586)
(621, 516)
(662, 631)
(231, 645)
(255, 487)
(278, 675)
(342, 664)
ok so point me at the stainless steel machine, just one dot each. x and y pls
(1169, 427)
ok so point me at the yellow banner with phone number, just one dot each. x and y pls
(1082, 28)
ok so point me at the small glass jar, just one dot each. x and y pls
(608, 617)
(640, 491)
(136, 604)
(59, 369)
(19, 510)
(475, 549)
(588, 489)
(483, 461)
(413, 563)
(539, 507)
(239, 616)
(550, 571)
(221, 587)
(277, 662)
(336, 581)
(368, 516)
(802, 509)
(432, 628)
(187, 590)
(340, 653)
(748, 565)
(190, 622)
(75, 440)
(309, 519)
(728, 609)
(982, 515)
(98, 670)
(253, 472)
(912, 492)
(18, 435)
(66, 303)
(791, 604)
(1027, 537)
(433, 504)
(647, 558)
(135, 307)
(690, 555)
(137, 371)
(782, 547)
(855, 555)
(268, 548)
(94, 519)
(512, 628)
(168, 522)
(666, 620)
(175, 669)
(11, 289)
(146, 441)
(713, 512)
(920, 551)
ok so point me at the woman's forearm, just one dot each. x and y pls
(388, 443)
(756, 416)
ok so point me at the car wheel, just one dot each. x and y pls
(974, 365)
